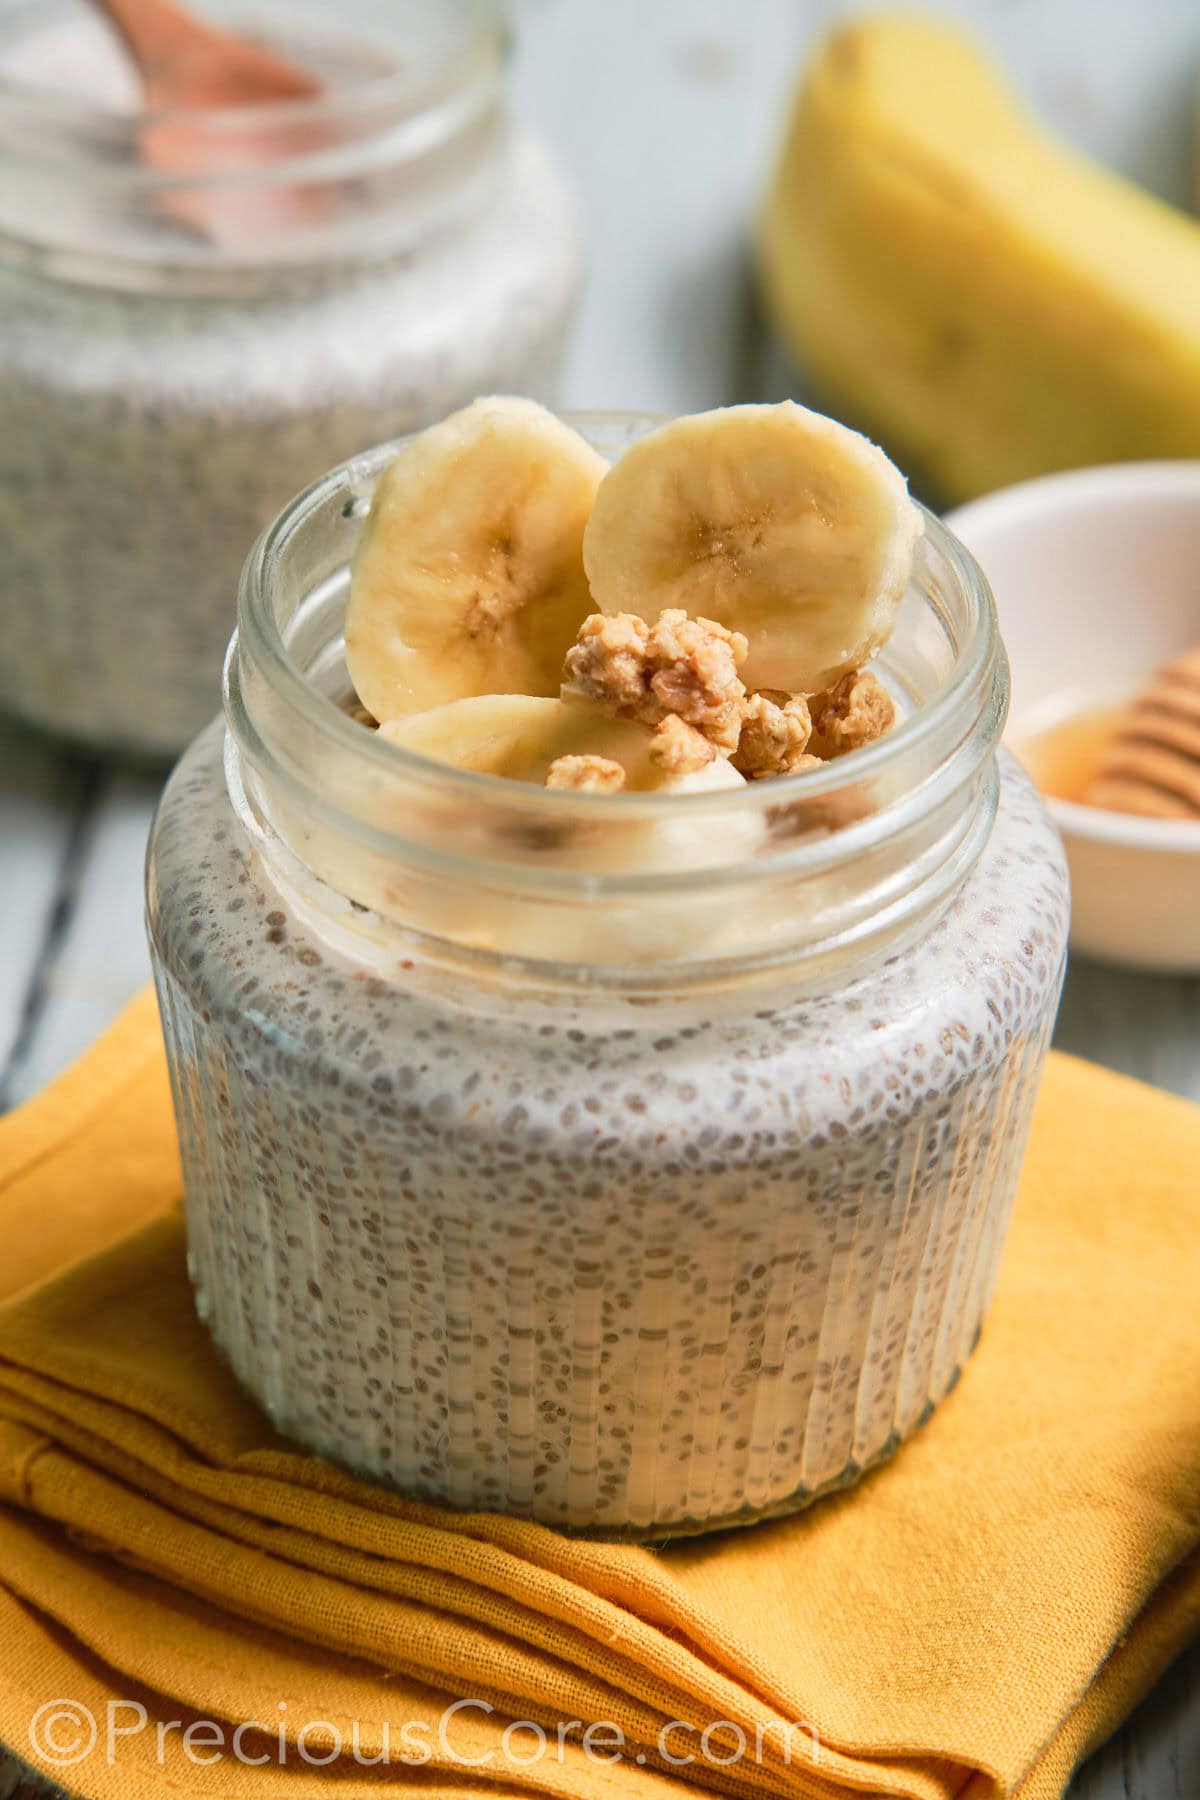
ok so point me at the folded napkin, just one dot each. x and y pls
(964, 1625)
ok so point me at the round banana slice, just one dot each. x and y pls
(523, 737)
(469, 575)
(773, 520)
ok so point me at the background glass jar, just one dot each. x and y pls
(365, 262)
(636, 1165)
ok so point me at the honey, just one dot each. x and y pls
(1063, 758)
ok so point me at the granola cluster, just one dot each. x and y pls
(679, 749)
(678, 666)
(854, 712)
(586, 774)
(776, 729)
(682, 676)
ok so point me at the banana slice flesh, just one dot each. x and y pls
(523, 737)
(774, 521)
(527, 739)
(469, 575)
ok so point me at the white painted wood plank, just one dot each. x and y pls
(1157, 1754)
(40, 797)
(666, 116)
(1144, 1025)
(101, 961)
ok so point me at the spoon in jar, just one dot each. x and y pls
(188, 66)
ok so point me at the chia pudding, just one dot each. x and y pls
(164, 395)
(637, 1242)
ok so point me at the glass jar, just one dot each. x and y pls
(181, 353)
(634, 1164)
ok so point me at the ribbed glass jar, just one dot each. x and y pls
(180, 353)
(533, 1167)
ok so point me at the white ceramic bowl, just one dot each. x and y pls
(1097, 580)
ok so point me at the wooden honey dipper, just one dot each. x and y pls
(1151, 766)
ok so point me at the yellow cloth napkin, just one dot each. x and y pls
(966, 1624)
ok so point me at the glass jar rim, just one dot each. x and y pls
(401, 147)
(258, 631)
(489, 36)
(389, 852)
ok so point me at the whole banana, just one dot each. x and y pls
(987, 302)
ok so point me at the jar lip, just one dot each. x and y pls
(486, 32)
(405, 145)
(258, 633)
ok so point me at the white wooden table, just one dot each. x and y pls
(667, 111)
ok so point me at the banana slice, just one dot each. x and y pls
(773, 520)
(524, 737)
(521, 736)
(469, 575)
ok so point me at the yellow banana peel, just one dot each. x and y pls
(989, 303)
